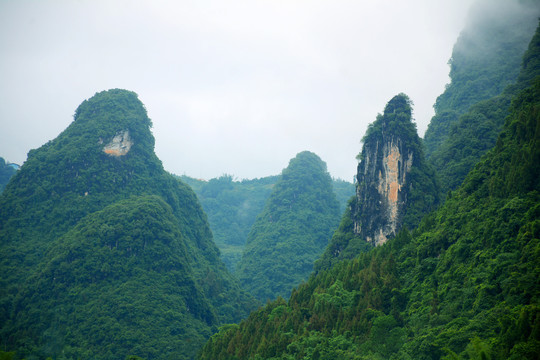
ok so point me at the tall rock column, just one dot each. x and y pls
(392, 176)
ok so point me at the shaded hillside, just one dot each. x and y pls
(6, 172)
(395, 188)
(484, 69)
(343, 190)
(232, 207)
(292, 230)
(102, 249)
(462, 286)
(485, 60)
(476, 131)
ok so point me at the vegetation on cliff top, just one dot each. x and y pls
(417, 196)
(6, 172)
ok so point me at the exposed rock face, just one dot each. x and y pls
(392, 149)
(119, 145)
(382, 179)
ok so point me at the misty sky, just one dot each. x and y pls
(232, 87)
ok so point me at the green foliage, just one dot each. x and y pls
(292, 230)
(7, 355)
(6, 172)
(471, 112)
(104, 257)
(468, 139)
(232, 207)
(486, 57)
(345, 244)
(122, 275)
(464, 284)
(395, 123)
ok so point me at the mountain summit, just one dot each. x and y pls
(292, 230)
(104, 254)
(395, 186)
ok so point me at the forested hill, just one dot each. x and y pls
(103, 253)
(292, 230)
(484, 70)
(464, 285)
(232, 207)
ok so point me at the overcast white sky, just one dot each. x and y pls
(235, 87)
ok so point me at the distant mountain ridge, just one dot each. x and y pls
(232, 207)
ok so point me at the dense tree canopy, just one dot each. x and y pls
(470, 135)
(232, 207)
(292, 230)
(462, 286)
(6, 172)
(95, 248)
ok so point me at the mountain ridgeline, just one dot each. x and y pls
(485, 75)
(103, 253)
(292, 230)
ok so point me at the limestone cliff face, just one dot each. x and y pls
(392, 149)
(382, 180)
(119, 145)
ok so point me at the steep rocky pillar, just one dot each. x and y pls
(391, 150)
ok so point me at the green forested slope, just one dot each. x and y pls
(95, 247)
(6, 172)
(292, 230)
(232, 207)
(464, 285)
(118, 282)
(476, 131)
(484, 69)
(485, 60)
